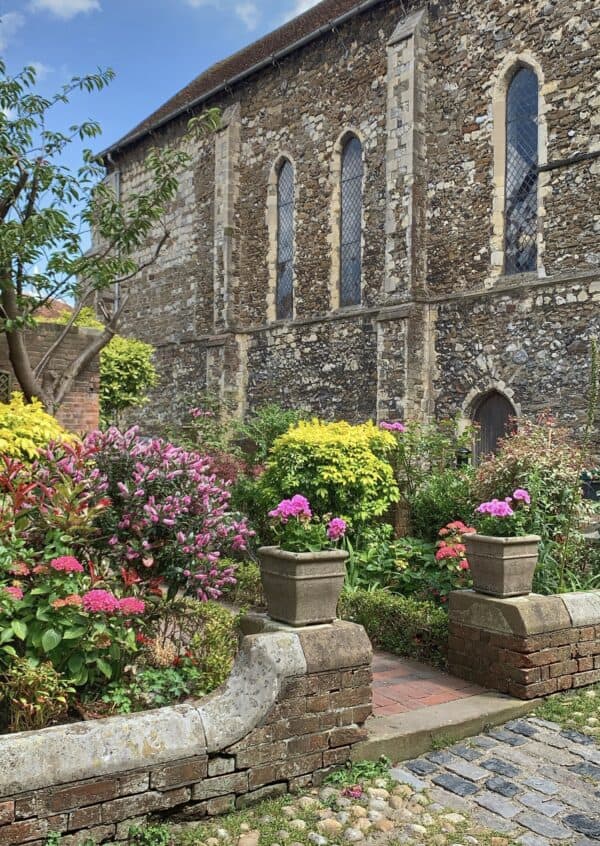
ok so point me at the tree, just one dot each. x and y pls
(47, 212)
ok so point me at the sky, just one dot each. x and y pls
(155, 47)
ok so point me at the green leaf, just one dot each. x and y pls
(19, 628)
(104, 667)
(6, 635)
(74, 633)
(50, 640)
(75, 663)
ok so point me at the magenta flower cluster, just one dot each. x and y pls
(298, 506)
(336, 529)
(169, 516)
(66, 564)
(104, 602)
(503, 507)
(394, 426)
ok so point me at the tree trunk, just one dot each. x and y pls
(18, 355)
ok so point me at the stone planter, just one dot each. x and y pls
(302, 588)
(502, 566)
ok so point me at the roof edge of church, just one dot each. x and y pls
(277, 44)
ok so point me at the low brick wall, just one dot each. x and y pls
(293, 707)
(527, 646)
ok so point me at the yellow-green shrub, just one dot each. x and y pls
(25, 428)
(342, 469)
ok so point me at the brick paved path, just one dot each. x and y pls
(529, 779)
(401, 685)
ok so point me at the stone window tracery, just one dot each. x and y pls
(521, 179)
(351, 207)
(285, 241)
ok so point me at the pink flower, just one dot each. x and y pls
(14, 592)
(496, 508)
(66, 564)
(298, 506)
(395, 426)
(463, 565)
(131, 605)
(522, 496)
(336, 528)
(100, 601)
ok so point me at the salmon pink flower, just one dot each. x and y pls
(66, 564)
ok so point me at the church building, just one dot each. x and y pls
(399, 217)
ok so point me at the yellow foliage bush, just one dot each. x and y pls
(25, 428)
(342, 469)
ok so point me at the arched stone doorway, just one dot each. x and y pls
(495, 416)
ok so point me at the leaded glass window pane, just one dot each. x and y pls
(351, 223)
(521, 214)
(285, 242)
(4, 386)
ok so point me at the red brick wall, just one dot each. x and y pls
(311, 728)
(525, 666)
(80, 411)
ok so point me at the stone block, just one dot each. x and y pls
(583, 607)
(220, 766)
(22, 832)
(520, 616)
(221, 785)
(271, 791)
(335, 647)
(7, 812)
(177, 775)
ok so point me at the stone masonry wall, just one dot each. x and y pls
(185, 769)
(527, 647)
(422, 84)
(80, 410)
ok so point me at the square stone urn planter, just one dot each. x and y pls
(502, 566)
(302, 588)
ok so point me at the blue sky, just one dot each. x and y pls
(155, 47)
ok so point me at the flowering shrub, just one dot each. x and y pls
(56, 611)
(342, 469)
(35, 695)
(450, 556)
(25, 428)
(169, 521)
(508, 517)
(298, 531)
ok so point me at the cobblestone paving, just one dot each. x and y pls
(530, 779)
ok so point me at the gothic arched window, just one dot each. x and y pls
(351, 222)
(284, 297)
(521, 179)
(494, 414)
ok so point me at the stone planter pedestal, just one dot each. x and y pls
(302, 588)
(502, 567)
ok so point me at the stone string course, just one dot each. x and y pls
(439, 324)
(527, 647)
(315, 718)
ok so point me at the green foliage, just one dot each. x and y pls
(343, 470)
(25, 428)
(34, 694)
(149, 835)
(359, 772)
(247, 590)
(126, 369)
(153, 687)
(441, 498)
(126, 375)
(399, 624)
(423, 449)
(264, 426)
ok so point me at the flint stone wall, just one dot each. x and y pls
(527, 646)
(293, 707)
(439, 324)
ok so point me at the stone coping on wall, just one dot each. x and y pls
(293, 707)
(527, 646)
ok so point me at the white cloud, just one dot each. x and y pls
(248, 13)
(299, 7)
(246, 10)
(10, 23)
(66, 9)
(41, 70)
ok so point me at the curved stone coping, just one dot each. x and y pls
(61, 754)
(525, 615)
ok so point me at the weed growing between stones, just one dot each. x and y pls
(574, 710)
